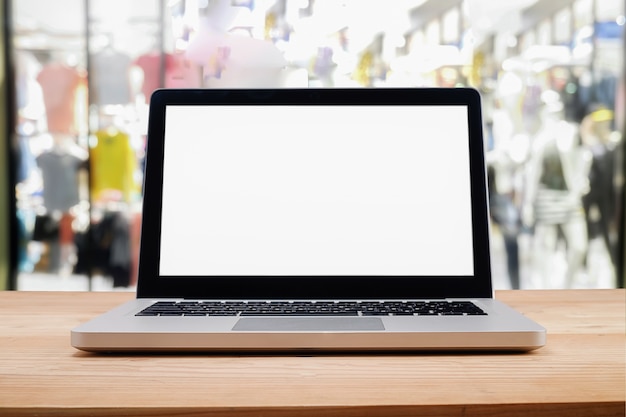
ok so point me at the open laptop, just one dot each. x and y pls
(314, 220)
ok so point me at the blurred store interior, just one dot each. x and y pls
(79, 74)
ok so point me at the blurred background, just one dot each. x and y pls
(77, 77)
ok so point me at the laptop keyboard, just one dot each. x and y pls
(312, 308)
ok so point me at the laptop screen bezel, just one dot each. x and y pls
(152, 285)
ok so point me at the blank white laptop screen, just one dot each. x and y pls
(316, 190)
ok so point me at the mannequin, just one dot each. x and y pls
(557, 179)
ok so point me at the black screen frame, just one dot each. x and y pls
(152, 285)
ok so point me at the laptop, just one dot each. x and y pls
(279, 220)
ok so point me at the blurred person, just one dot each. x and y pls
(557, 180)
(505, 214)
(504, 161)
(601, 203)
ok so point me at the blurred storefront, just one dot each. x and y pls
(551, 73)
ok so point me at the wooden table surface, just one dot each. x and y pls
(580, 372)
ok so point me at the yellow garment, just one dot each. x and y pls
(113, 165)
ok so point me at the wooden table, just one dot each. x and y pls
(580, 372)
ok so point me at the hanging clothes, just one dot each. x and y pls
(177, 72)
(59, 171)
(60, 84)
(111, 72)
(113, 165)
(106, 248)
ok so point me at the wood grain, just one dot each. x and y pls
(580, 372)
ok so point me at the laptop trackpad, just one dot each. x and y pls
(308, 324)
